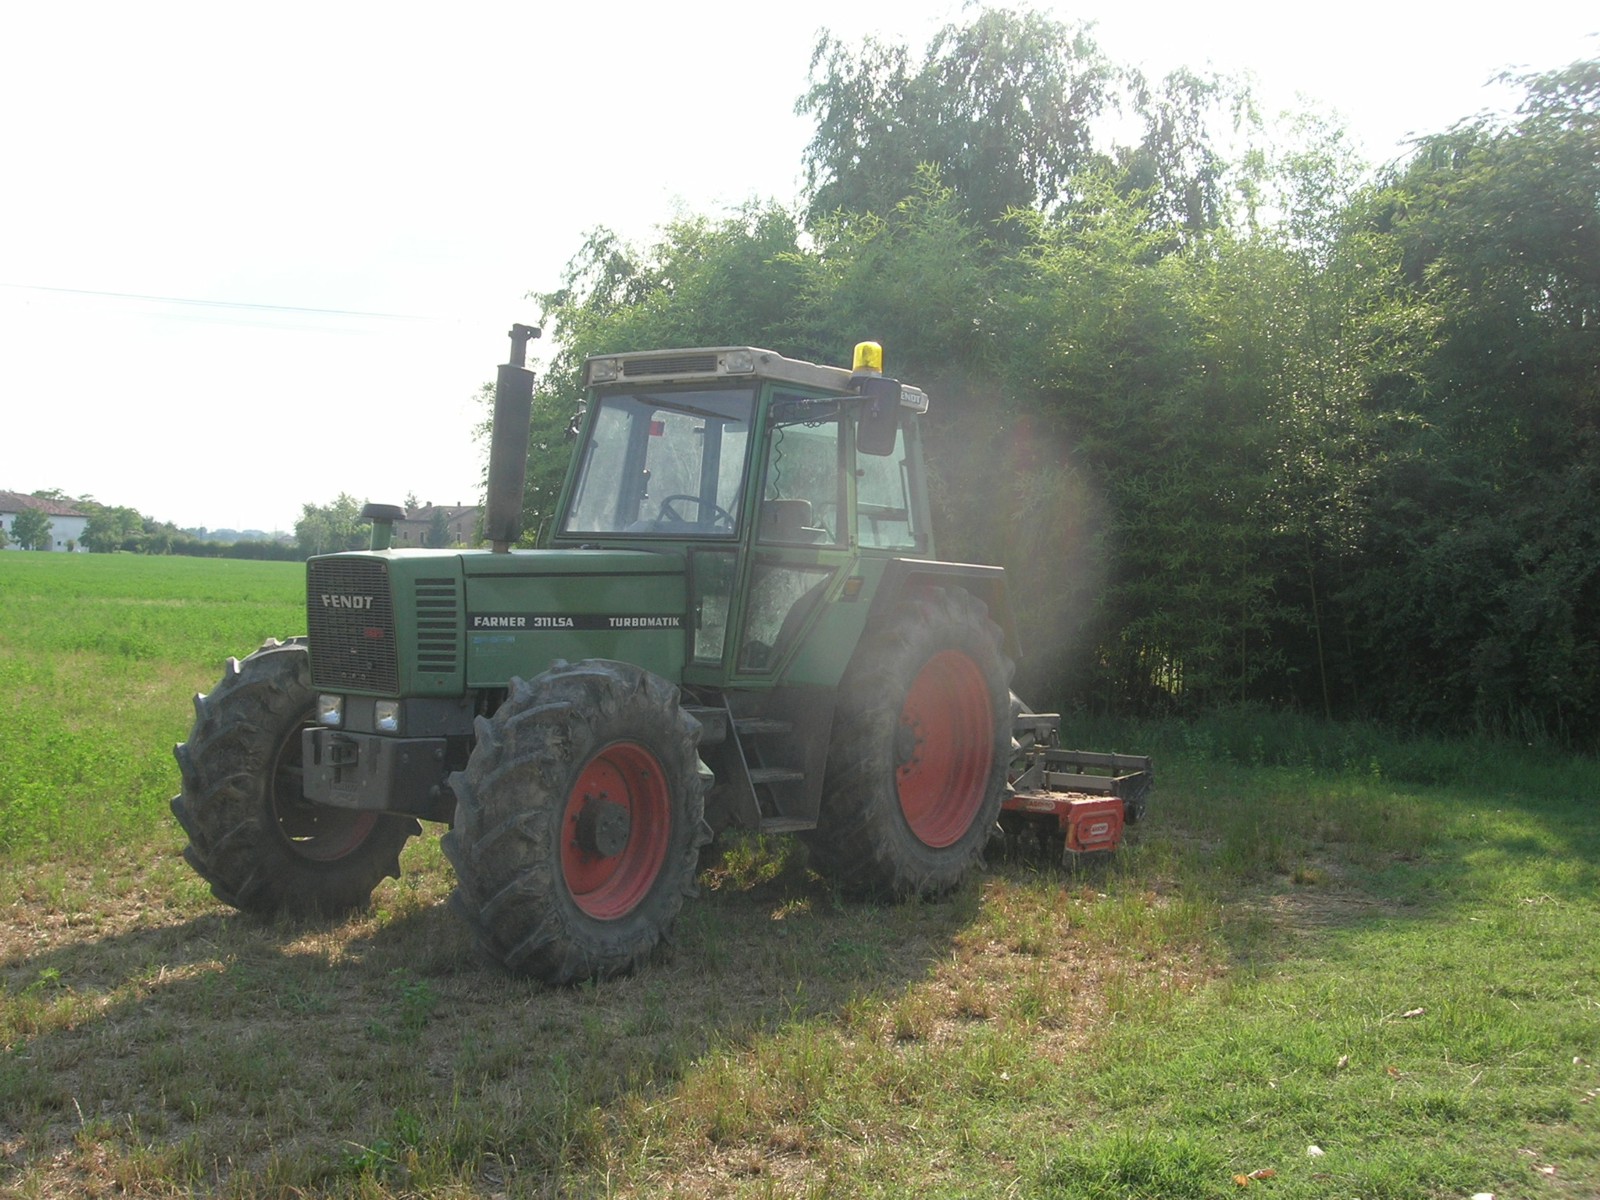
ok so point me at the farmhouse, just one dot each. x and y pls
(437, 525)
(66, 522)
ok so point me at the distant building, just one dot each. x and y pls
(66, 522)
(459, 523)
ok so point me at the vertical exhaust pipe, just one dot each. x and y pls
(508, 443)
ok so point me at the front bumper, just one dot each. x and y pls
(378, 774)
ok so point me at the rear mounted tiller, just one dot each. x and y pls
(1077, 797)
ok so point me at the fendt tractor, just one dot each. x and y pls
(739, 623)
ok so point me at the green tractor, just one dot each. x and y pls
(739, 624)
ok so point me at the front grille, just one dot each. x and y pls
(438, 618)
(350, 615)
(671, 364)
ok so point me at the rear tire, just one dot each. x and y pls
(253, 836)
(922, 737)
(579, 821)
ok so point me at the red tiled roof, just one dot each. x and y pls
(15, 502)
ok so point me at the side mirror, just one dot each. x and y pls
(878, 420)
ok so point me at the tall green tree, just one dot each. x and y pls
(110, 529)
(31, 529)
(1312, 316)
(1481, 548)
(439, 529)
(1002, 107)
(1125, 374)
(1191, 157)
(337, 525)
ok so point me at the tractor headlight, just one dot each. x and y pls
(603, 370)
(386, 716)
(330, 711)
(738, 362)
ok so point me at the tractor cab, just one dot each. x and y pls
(784, 483)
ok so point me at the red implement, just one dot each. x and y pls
(1080, 798)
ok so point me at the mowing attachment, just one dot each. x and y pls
(1076, 801)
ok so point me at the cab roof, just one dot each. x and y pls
(711, 363)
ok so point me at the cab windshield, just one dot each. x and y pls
(668, 463)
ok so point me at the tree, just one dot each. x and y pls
(1002, 108)
(1478, 588)
(31, 529)
(439, 529)
(326, 528)
(1178, 170)
(1006, 110)
(111, 529)
(159, 537)
(1142, 457)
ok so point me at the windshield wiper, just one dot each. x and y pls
(688, 409)
(802, 410)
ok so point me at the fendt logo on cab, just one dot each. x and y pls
(332, 601)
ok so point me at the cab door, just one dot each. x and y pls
(802, 541)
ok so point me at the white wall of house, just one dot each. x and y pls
(62, 531)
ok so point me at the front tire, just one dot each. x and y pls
(253, 836)
(579, 821)
(922, 736)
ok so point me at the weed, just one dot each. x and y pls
(408, 1013)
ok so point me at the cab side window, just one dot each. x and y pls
(802, 485)
(802, 490)
(883, 500)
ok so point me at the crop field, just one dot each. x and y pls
(1331, 963)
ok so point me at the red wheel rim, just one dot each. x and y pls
(315, 832)
(608, 886)
(946, 749)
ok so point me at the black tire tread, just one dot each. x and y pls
(509, 800)
(225, 809)
(862, 841)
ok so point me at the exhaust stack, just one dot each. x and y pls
(508, 443)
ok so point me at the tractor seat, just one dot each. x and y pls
(789, 521)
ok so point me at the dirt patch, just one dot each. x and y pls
(1316, 897)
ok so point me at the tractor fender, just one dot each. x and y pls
(904, 576)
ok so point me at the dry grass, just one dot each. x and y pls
(157, 1044)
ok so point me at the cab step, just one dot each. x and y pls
(759, 775)
(786, 824)
(761, 726)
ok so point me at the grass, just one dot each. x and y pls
(100, 657)
(1321, 937)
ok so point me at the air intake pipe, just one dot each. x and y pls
(508, 444)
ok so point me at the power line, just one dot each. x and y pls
(238, 304)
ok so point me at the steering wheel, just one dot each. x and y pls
(720, 517)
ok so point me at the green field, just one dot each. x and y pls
(99, 659)
(1322, 937)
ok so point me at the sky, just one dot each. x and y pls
(255, 256)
